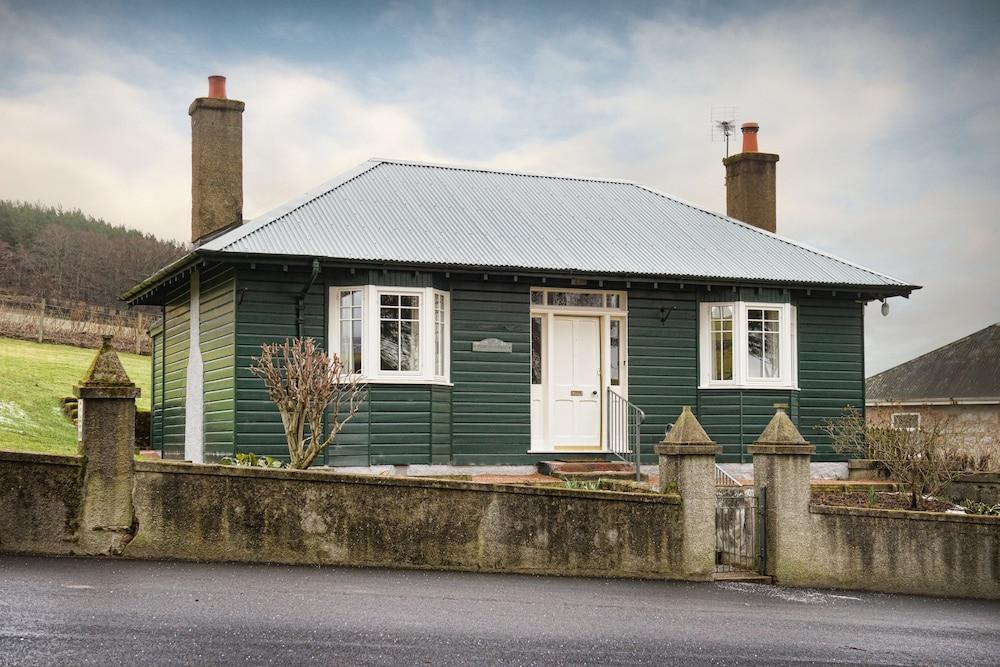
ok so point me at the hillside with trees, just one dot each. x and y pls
(53, 253)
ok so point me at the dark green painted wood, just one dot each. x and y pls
(735, 418)
(662, 359)
(217, 333)
(266, 312)
(176, 337)
(758, 294)
(831, 366)
(156, 390)
(491, 409)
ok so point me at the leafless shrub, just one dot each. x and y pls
(921, 459)
(303, 382)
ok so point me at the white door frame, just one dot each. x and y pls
(605, 315)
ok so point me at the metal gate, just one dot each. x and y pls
(739, 529)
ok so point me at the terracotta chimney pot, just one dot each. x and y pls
(749, 135)
(217, 87)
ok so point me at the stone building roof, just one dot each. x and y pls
(966, 370)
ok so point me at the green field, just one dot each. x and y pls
(33, 379)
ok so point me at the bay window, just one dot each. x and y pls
(748, 345)
(392, 334)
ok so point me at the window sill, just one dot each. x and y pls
(774, 387)
(406, 380)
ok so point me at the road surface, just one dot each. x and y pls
(103, 612)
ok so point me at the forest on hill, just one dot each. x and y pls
(53, 253)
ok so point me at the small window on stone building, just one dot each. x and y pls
(906, 421)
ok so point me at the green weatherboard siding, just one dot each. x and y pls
(484, 418)
(831, 366)
(217, 333)
(176, 337)
(266, 312)
(662, 358)
(156, 389)
(491, 399)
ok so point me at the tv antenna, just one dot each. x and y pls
(723, 125)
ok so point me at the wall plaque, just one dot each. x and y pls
(492, 345)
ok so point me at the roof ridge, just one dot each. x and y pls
(935, 350)
(503, 172)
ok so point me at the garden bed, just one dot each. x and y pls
(880, 500)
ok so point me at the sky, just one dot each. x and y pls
(886, 115)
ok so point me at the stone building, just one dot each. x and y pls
(959, 382)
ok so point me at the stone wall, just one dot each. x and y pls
(216, 513)
(923, 553)
(40, 502)
(983, 487)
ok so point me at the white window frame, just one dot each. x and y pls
(788, 341)
(892, 421)
(371, 370)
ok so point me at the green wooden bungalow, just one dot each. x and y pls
(501, 318)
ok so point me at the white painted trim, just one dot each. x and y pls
(604, 315)
(788, 337)
(370, 370)
(194, 391)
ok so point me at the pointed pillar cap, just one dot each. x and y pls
(106, 377)
(781, 437)
(687, 437)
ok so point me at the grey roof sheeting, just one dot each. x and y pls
(407, 212)
(968, 368)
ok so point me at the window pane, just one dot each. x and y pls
(537, 298)
(576, 299)
(389, 345)
(722, 342)
(439, 334)
(616, 361)
(409, 346)
(350, 330)
(536, 350)
(908, 421)
(763, 343)
(390, 299)
(614, 301)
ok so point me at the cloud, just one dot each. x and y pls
(885, 129)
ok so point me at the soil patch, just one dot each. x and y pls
(882, 500)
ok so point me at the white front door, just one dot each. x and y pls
(576, 389)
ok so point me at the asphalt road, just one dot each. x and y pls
(90, 612)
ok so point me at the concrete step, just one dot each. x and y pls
(743, 577)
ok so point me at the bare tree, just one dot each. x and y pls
(923, 459)
(303, 382)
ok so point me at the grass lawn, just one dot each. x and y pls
(33, 379)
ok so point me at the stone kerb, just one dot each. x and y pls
(687, 467)
(781, 477)
(106, 438)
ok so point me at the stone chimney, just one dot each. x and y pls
(750, 183)
(216, 162)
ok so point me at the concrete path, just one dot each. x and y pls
(100, 612)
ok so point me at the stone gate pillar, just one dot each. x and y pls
(106, 435)
(687, 467)
(781, 480)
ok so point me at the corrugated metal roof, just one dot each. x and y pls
(965, 369)
(395, 211)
